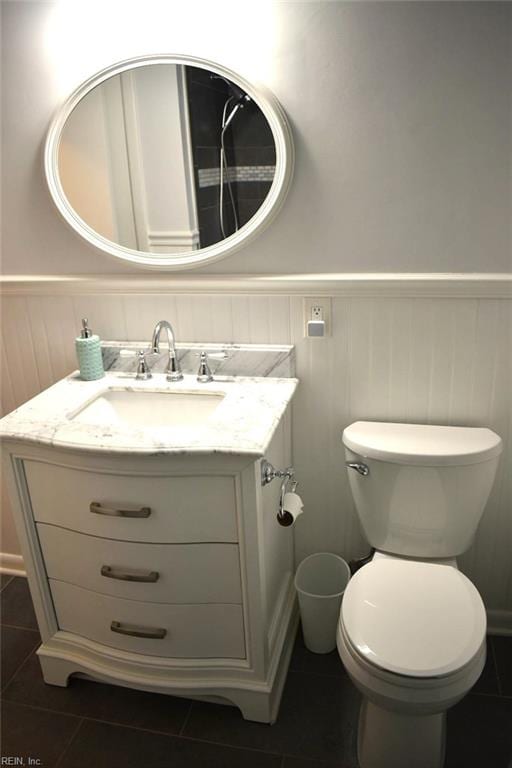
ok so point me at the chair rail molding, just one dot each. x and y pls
(365, 285)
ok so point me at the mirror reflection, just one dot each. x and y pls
(166, 158)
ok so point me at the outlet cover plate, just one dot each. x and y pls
(309, 303)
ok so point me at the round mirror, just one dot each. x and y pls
(168, 161)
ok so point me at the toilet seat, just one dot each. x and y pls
(398, 691)
(413, 618)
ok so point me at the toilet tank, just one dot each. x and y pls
(426, 486)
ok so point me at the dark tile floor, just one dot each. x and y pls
(90, 725)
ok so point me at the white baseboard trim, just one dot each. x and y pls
(12, 564)
(499, 622)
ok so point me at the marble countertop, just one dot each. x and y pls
(243, 423)
(276, 360)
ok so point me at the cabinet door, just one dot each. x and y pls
(154, 629)
(158, 573)
(134, 508)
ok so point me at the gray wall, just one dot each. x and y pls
(402, 118)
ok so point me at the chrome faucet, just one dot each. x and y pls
(173, 369)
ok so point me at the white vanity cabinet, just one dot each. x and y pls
(167, 573)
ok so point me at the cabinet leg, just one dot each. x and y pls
(253, 706)
(55, 671)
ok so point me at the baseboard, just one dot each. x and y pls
(12, 564)
(499, 622)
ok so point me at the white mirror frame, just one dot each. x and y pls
(267, 211)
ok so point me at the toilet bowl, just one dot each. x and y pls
(412, 638)
(411, 630)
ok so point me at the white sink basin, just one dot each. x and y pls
(149, 409)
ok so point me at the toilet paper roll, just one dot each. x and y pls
(292, 508)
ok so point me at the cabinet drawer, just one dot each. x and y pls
(174, 509)
(160, 573)
(180, 631)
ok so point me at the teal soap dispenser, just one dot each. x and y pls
(88, 352)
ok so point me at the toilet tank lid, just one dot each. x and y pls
(422, 444)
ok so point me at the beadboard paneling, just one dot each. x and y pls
(439, 360)
(422, 360)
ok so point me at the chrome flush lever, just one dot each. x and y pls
(363, 469)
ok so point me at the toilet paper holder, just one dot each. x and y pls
(287, 476)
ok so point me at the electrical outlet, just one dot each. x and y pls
(317, 311)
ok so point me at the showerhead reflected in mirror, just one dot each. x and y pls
(162, 160)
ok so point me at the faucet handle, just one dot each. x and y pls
(204, 374)
(173, 370)
(143, 371)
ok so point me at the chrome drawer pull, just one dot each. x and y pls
(134, 630)
(98, 509)
(113, 573)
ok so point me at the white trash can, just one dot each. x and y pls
(320, 581)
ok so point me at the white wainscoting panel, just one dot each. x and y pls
(419, 360)
(439, 360)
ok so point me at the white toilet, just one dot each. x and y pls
(412, 627)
